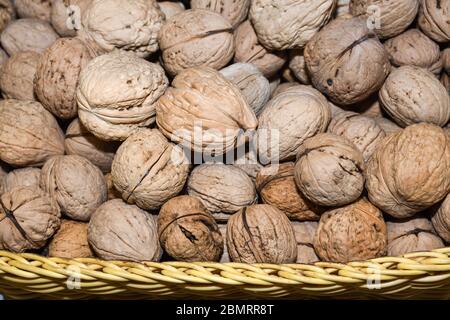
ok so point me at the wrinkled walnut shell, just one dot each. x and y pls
(71, 241)
(433, 19)
(7, 13)
(24, 177)
(441, 220)
(304, 234)
(234, 11)
(38, 9)
(66, 16)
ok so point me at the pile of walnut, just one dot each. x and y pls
(99, 94)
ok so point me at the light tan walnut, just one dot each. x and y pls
(70, 241)
(171, 8)
(7, 13)
(66, 16)
(234, 11)
(433, 19)
(38, 9)
(304, 234)
(441, 219)
(23, 177)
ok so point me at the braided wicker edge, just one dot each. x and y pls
(424, 275)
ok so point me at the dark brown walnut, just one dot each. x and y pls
(387, 125)
(346, 61)
(81, 142)
(149, 170)
(24, 177)
(276, 186)
(388, 18)
(249, 50)
(410, 170)
(363, 131)
(28, 218)
(353, 232)
(66, 16)
(304, 234)
(29, 134)
(261, 234)
(112, 191)
(71, 241)
(433, 19)
(441, 220)
(411, 235)
(415, 49)
(57, 75)
(329, 170)
(78, 186)
(7, 13)
(234, 11)
(17, 76)
(187, 232)
(119, 231)
(195, 38)
(38, 9)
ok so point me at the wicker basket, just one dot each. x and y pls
(424, 275)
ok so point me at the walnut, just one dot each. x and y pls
(216, 101)
(221, 188)
(3, 58)
(116, 94)
(27, 35)
(445, 80)
(274, 83)
(282, 87)
(346, 61)
(413, 95)
(249, 50)
(363, 131)
(353, 232)
(249, 164)
(261, 234)
(304, 234)
(297, 65)
(187, 232)
(446, 60)
(112, 191)
(119, 231)
(329, 170)
(276, 186)
(343, 8)
(387, 125)
(71, 241)
(234, 11)
(196, 38)
(66, 16)
(24, 177)
(225, 256)
(289, 24)
(28, 218)
(170, 8)
(416, 49)
(414, 234)
(7, 13)
(253, 85)
(39, 9)
(3, 173)
(57, 76)
(433, 19)
(17, 76)
(441, 219)
(410, 170)
(149, 170)
(77, 185)
(387, 18)
(294, 115)
(122, 24)
(81, 142)
(29, 134)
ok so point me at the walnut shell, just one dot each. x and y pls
(119, 231)
(28, 218)
(289, 24)
(249, 50)
(363, 131)
(196, 38)
(234, 11)
(29, 134)
(297, 65)
(354, 232)
(446, 60)
(387, 18)
(71, 241)
(77, 185)
(225, 256)
(204, 111)
(415, 234)
(261, 234)
(149, 170)
(249, 164)
(445, 80)
(221, 188)
(410, 170)
(387, 125)
(3, 173)
(288, 119)
(24, 177)
(116, 94)
(27, 35)
(329, 170)
(342, 8)
(170, 8)
(276, 186)
(112, 191)
(433, 19)
(122, 24)
(253, 85)
(346, 61)
(7, 13)
(413, 95)
(38, 9)
(57, 76)
(187, 232)
(304, 235)
(415, 49)
(81, 142)
(17, 76)
(3, 57)
(66, 16)
(441, 220)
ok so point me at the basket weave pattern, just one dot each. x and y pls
(417, 275)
